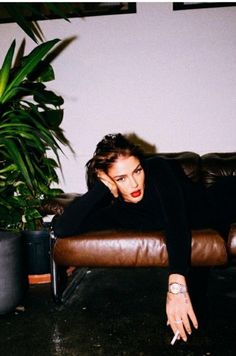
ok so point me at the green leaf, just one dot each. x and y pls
(16, 13)
(19, 54)
(54, 117)
(48, 97)
(42, 73)
(9, 168)
(55, 9)
(16, 156)
(33, 87)
(6, 67)
(30, 63)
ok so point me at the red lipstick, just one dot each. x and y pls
(136, 194)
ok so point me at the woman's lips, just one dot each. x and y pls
(136, 194)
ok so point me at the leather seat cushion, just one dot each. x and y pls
(135, 249)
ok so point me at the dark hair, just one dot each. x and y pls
(107, 152)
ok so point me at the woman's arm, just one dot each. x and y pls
(70, 222)
(176, 225)
(178, 239)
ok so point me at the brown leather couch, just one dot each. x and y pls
(135, 249)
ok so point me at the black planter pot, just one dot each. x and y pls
(37, 250)
(13, 277)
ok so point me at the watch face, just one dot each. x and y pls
(175, 288)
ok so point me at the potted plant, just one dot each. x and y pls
(30, 138)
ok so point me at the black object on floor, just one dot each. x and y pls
(119, 312)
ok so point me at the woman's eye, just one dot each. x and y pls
(122, 179)
(139, 170)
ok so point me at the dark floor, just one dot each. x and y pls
(119, 312)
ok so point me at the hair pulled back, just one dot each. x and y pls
(107, 152)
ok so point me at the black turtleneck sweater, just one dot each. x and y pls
(165, 206)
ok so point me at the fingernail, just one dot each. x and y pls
(189, 332)
(185, 339)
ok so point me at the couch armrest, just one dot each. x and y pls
(231, 244)
(57, 205)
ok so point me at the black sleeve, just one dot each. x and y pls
(70, 222)
(177, 231)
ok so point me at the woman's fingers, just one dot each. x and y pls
(177, 324)
(102, 175)
(182, 325)
(186, 324)
(108, 182)
(193, 318)
(180, 314)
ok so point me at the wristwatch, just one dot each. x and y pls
(176, 288)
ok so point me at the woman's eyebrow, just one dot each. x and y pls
(138, 166)
(120, 176)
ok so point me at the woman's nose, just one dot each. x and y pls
(133, 182)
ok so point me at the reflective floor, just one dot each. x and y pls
(117, 312)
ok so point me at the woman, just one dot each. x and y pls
(128, 191)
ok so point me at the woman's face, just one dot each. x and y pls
(129, 177)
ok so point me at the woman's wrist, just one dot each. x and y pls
(177, 278)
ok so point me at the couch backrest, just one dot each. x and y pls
(208, 168)
(214, 166)
(189, 161)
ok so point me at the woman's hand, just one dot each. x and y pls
(179, 310)
(104, 178)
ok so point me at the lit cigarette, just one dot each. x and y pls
(175, 337)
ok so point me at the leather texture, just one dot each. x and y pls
(216, 165)
(232, 240)
(57, 205)
(132, 249)
(189, 161)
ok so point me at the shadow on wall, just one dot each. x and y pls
(144, 145)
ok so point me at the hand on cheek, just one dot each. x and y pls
(105, 179)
